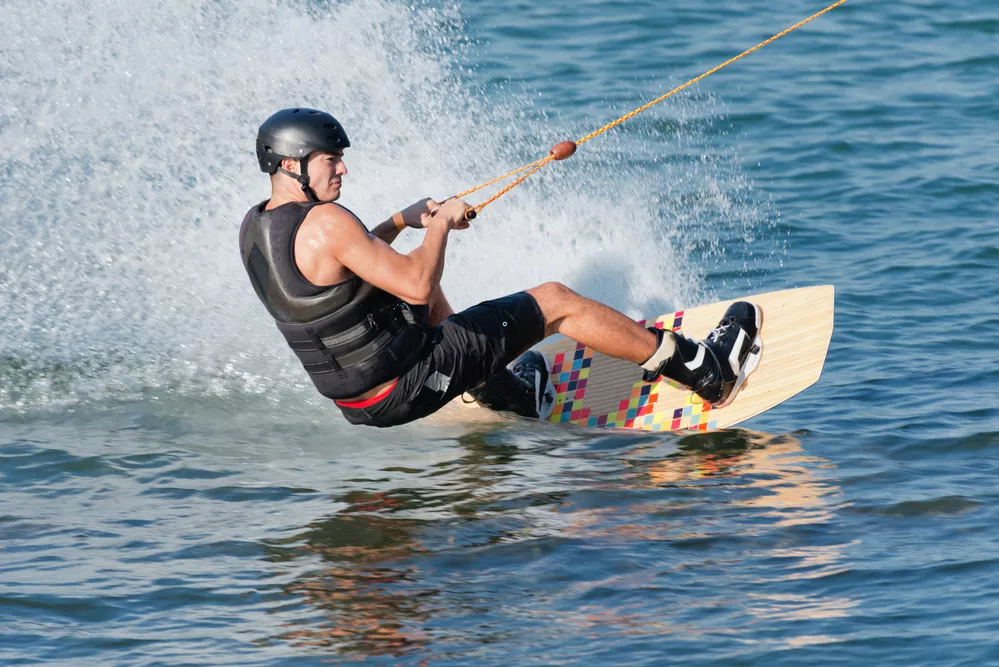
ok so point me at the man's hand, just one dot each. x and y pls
(451, 213)
(415, 215)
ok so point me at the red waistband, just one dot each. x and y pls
(368, 402)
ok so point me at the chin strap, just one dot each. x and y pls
(302, 178)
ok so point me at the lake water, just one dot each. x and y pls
(174, 492)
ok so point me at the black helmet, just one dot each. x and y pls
(294, 133)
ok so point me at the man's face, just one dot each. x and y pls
(326, 172)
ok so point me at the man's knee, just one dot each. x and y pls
(553, 298)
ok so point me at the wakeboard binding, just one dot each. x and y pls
(524, 388)
(717, 367)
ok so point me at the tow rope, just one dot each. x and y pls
(565, 149)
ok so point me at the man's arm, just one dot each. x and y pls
(411, 216)
(389, 230)
(331, 238)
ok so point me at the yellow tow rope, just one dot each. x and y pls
(565, 149)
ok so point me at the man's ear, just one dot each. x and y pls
(289, 164)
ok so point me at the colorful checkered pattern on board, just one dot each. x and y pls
(570, 374)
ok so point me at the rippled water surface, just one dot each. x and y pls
(172, 493)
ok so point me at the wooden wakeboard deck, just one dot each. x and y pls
(597, 390)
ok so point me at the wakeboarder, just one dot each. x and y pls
(373, 329)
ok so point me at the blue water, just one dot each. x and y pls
(174, 494)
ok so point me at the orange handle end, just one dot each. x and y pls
(563, 149)
(470, 214)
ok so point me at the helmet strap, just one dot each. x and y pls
(302, 178)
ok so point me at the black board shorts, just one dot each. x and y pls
(462, 352)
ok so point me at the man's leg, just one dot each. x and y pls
(583, 320)
(467, 349)
(440, 309)
(714, 368)
(503, 390)
(593, 324)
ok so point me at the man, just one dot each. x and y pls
(373, 329)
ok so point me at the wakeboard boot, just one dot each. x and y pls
(714, 368)
(524, 388)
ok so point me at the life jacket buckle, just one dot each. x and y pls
(326, 352)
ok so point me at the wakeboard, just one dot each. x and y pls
(594, 390)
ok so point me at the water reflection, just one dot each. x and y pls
(372, 595)
(677, 505)
(365, 591)
(775, 466)
(784, 484)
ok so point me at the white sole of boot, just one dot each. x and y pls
(751, 363)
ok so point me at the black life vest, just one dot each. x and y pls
(350, 337)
